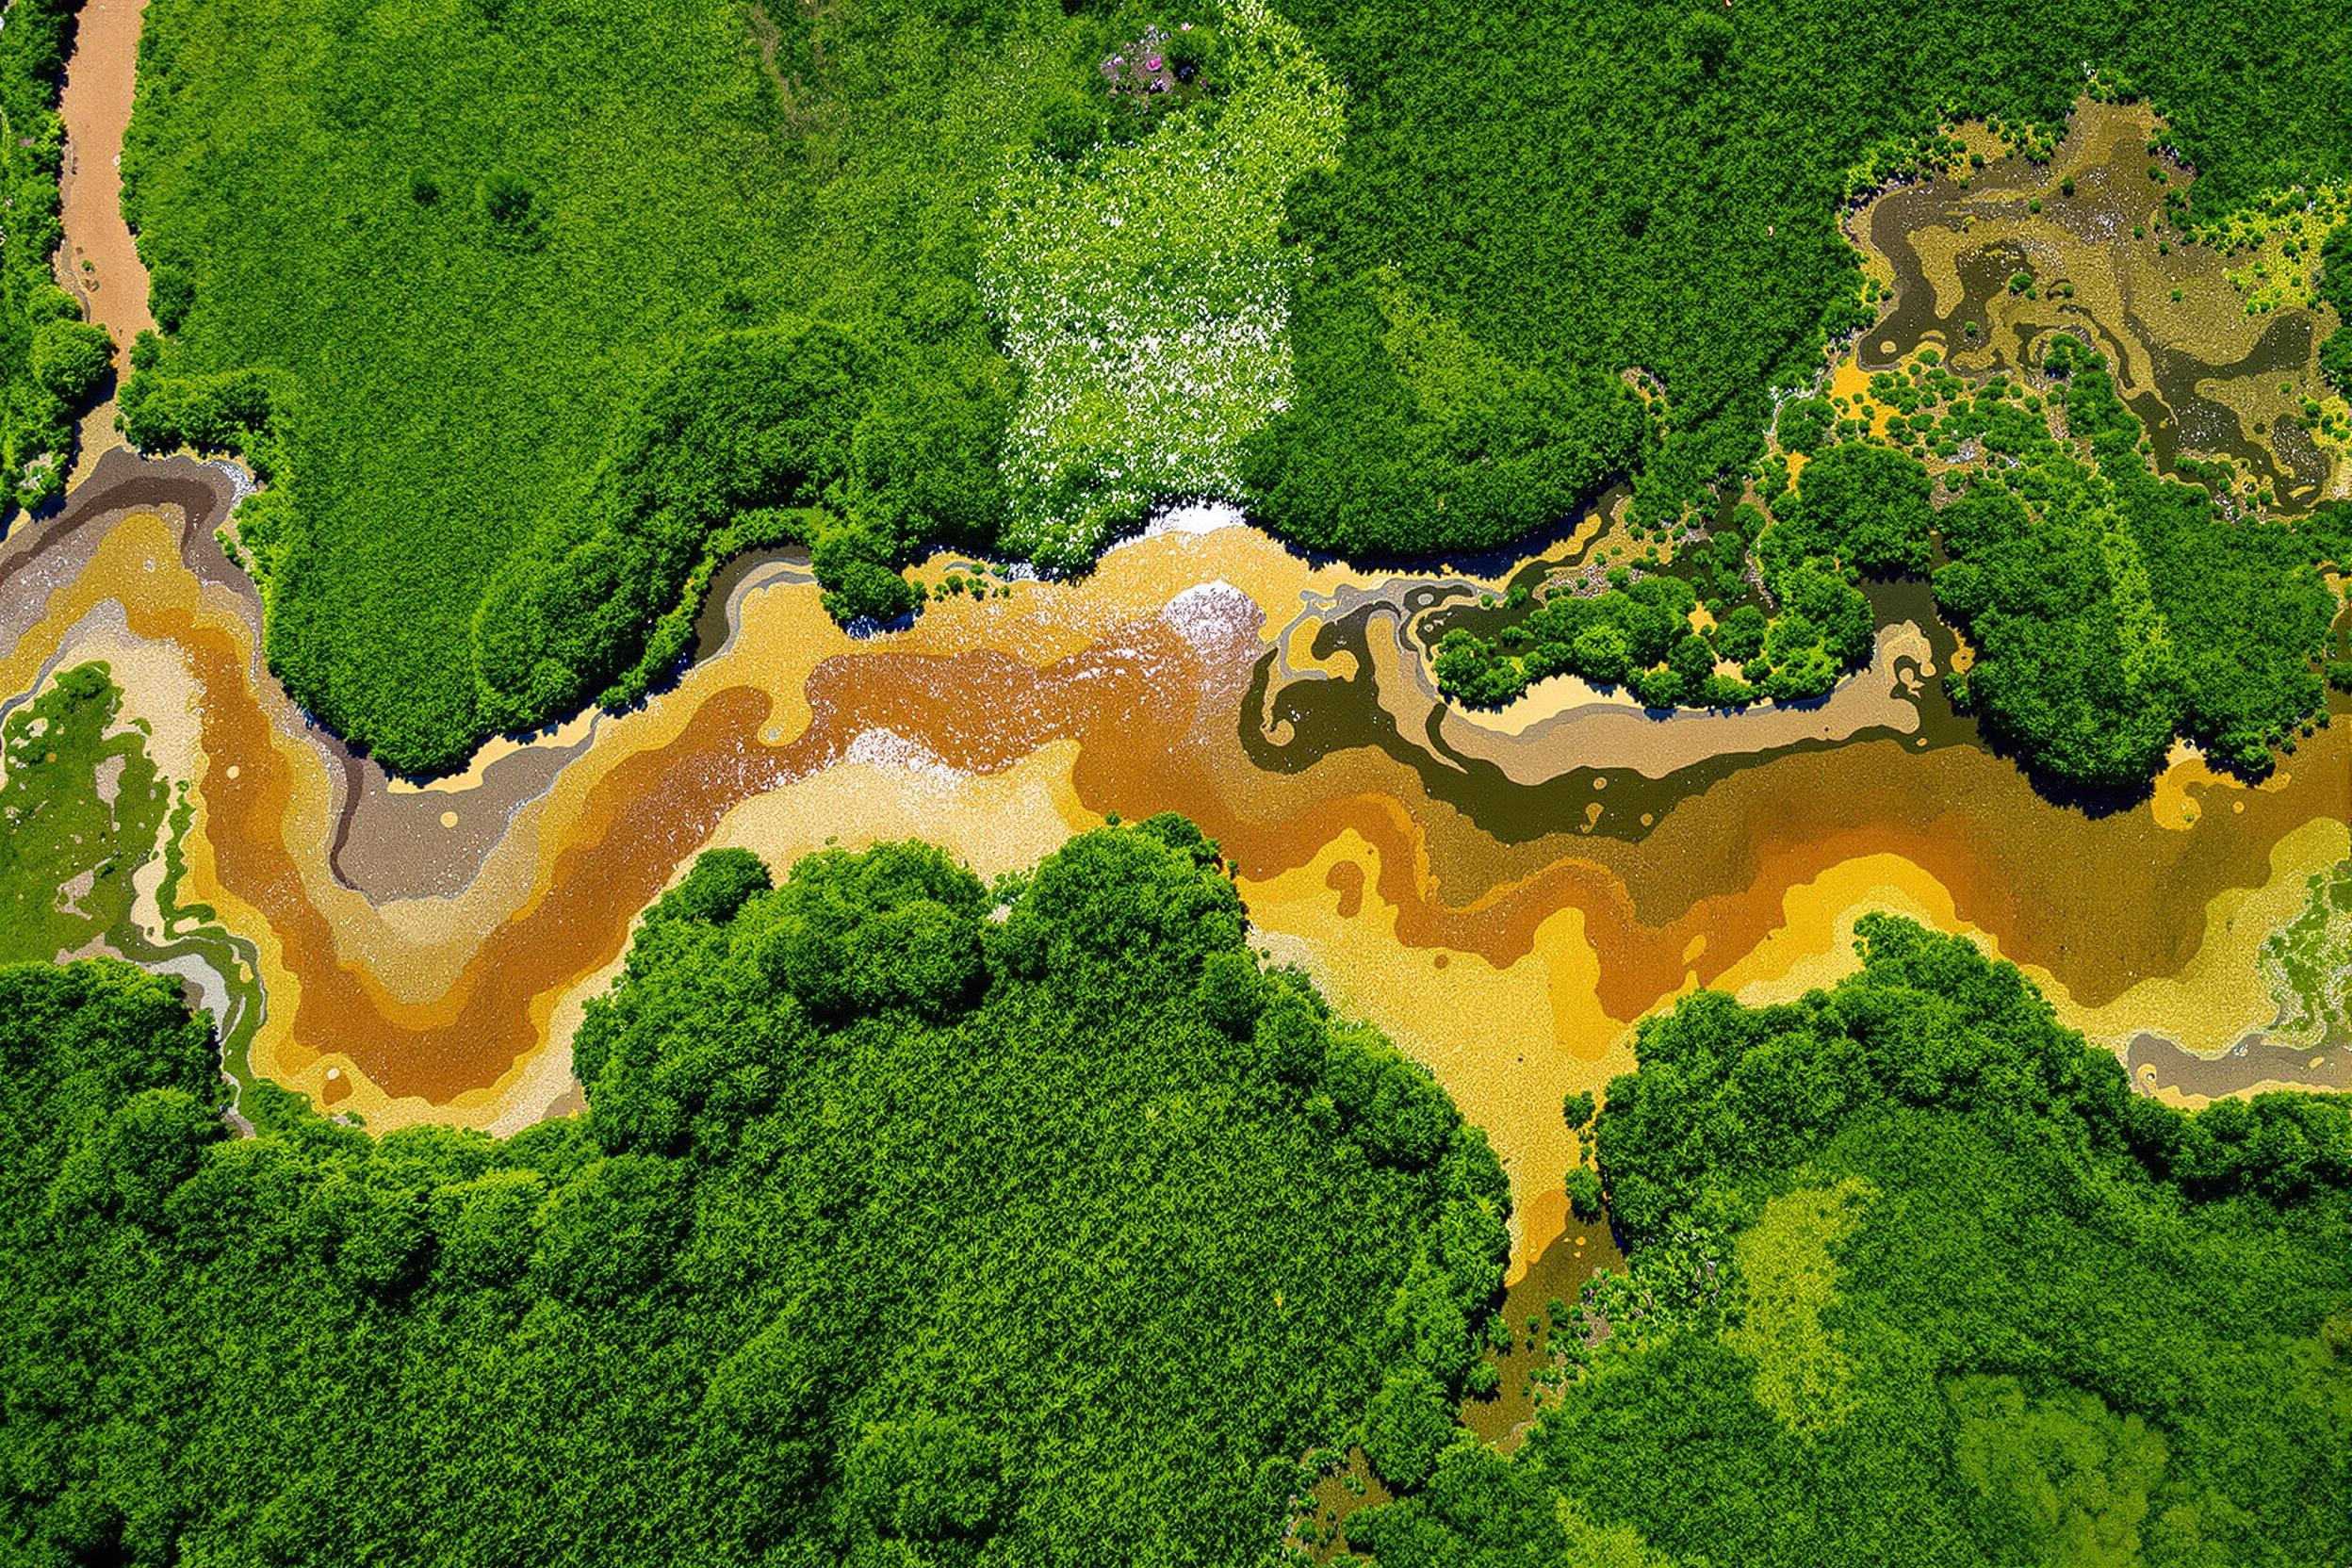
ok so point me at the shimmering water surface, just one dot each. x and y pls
(1506, 893)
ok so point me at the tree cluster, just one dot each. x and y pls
(1918, 1278)
(912, 1220)
(2109, 610)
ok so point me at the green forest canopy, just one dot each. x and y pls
(441, 265)
(894, 1234)
(914, 1221)
(2110, 609)
(1917, 1279)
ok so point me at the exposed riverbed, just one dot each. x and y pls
(429, 947)
(1505, 894)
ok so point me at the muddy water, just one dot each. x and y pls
(2201, 372)
(99, 263)
(1504, 894)
(423, 950)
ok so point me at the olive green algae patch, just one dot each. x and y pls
(82, 806)
(2308, 963)
(85, 808)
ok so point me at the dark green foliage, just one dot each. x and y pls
(1857, 510)
(1803, 423)
(923, 463)
(2058, 1322)
(170, 295)
(49, 366)
(1721, 559)
(1584, 1194)
(231, 411)
(862, 933)
(894, 1234)
(1601, 186)
(715, 888)
(853, 566)
(1408, 1426)
(1606, 638)
(1865, 506)
(1399, 445)
(2335, 359)
(2113, 610)
(2335, 287)
(1822, 630)
(92, 1055)
(745, 423)
(513, 209)
(71, 358)
(2037, 597)
(1739, 636)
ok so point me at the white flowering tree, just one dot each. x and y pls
(1145, 293)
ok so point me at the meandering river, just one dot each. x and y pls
(1505, 893)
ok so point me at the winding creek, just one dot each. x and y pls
(1505, 893)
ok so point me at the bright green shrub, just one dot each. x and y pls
(71, 358)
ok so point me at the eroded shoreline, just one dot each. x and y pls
(1505, 898)
(1514, 967)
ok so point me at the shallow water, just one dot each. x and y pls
(1505, 893)
(99, 261)
(1506, 932)
(1954, 248)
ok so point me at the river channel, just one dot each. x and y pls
(1506, 893)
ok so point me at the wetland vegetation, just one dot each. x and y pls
(1392, 307)
(83, 809)
(2110, 611)
(893, 1234)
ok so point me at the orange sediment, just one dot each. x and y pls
(1514, 967)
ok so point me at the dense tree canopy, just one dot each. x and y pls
(2335, 287)
(911, 1221)
(2113, 610)
(1405, 277)
(1917, 1279)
